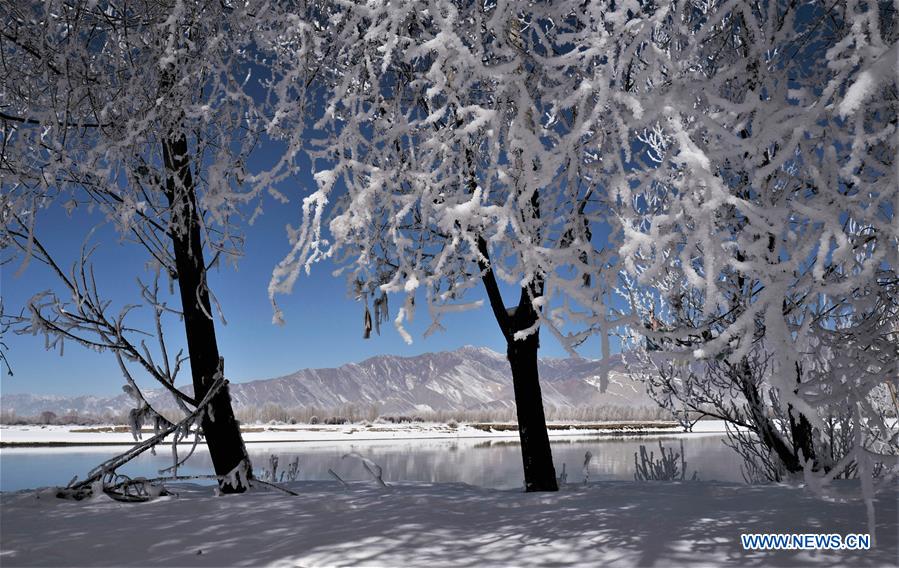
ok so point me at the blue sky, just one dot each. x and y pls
(323, 323)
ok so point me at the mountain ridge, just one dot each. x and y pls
(468, 378)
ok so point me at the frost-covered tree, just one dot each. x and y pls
(148, 111)
(465, 144)
(763, 213)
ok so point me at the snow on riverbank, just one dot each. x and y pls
(605, 523)
(111, 435)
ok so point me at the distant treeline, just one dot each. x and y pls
(351, 413)
(49, 418)
(354, 413)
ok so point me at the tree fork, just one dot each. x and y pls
(536, 453)
(801, 435)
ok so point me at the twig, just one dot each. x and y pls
(274, 486)
(114, 463)
(338, 478)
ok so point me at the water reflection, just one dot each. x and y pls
(492, 463)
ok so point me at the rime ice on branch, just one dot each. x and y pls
(761, 230)
(476, 142)
(150, 113)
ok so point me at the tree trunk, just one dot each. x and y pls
(801, 429)
(220, 428)
(766, 429)
(801, 439)
(536, 455)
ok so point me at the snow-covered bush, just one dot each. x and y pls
(760, 224)
(759, 428)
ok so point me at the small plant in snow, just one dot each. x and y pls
(293, 470)
(665, 468)
(271, 474)
(586, 469)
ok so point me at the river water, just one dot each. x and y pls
(493, 463)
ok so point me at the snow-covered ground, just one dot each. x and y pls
(88, 435)
(605, 523)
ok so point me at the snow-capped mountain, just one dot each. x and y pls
(469, 378)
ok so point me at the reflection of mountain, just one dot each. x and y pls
(469, 378)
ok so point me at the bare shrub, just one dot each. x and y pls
(669, 466)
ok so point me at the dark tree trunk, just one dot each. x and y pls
(800, 428)
(220, 428)
(536, 454)
(766, 430)
(803, 441)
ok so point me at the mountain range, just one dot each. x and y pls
(469, 378)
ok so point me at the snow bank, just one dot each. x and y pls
(103, 435)
(604, 523)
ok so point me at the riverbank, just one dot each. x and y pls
(55, 436)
